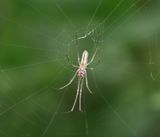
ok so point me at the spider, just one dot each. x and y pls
(81, 73)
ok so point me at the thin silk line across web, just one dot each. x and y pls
(94, 14)
(53, 116)
(136, 11)
(112, 108)
(45, 15)
(111, 12)
(85, 116)
(31, 95)
(32, 65)
(46, 51)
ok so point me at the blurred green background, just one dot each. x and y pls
(36, 36)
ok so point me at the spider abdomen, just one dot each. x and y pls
(81, 73)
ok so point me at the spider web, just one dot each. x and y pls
(30, 72)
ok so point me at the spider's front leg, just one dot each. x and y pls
(69, 81)
(93, 57)
(69, 62)
(92, 68)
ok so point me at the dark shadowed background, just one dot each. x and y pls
(35, 38)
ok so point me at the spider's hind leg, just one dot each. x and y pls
(77, 94)
(80, 95)
(87, 84)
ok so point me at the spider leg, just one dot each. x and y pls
(70, 63)
(92, 68)
(92, 59)
(78, 88)
(80, 95)
(77, 47)
(87, 84)
(70, 81)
